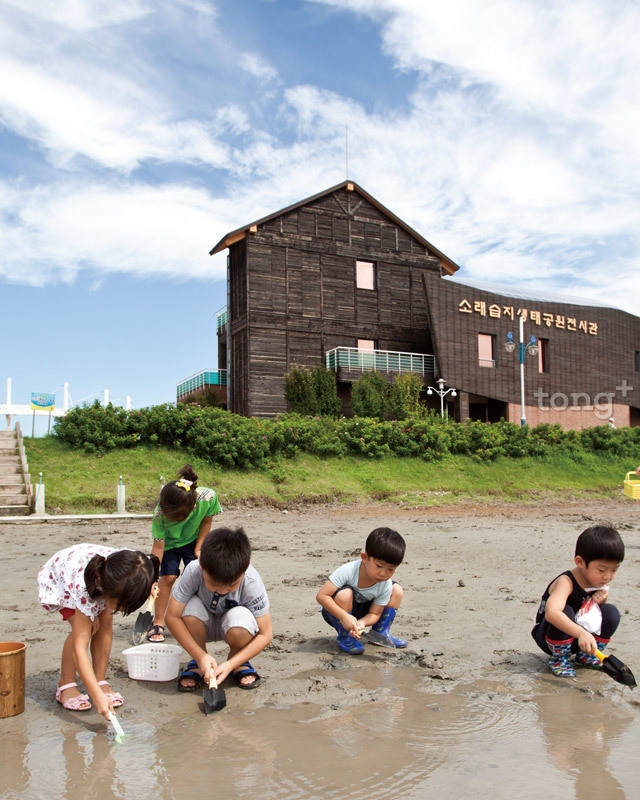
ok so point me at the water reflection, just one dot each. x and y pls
(580, 732)
(392, 737)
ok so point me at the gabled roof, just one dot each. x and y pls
(240, 233)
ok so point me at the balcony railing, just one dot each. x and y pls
(380, 360)
(221, 319)
(207, 377)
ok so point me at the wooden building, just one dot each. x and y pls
(338, 279)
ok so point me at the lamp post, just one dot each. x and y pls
(532, 348)
(442, 392)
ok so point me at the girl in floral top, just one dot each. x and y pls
(95, 581)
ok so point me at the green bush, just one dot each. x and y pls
(404, 396)
(326, 392)
(300, 392)
(369, 396)
(228, 440)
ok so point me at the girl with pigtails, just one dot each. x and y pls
(87, 584)
(181, 521)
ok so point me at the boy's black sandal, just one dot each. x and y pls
(190, 673)
(242, 672)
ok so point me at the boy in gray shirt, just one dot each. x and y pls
(361, 593)
(221, 597)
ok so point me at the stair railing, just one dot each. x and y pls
(25, 467)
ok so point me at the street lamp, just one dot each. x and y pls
(442, 392)
(532, 348)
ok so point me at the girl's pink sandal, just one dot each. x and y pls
(80, 702)
(116, 698)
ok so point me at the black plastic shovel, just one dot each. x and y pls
(214, 699)
(143, 622)
(615, 669)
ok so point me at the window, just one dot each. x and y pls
(366, 353)
(365, 275)
(637, 360)
(486, 350)
(543, 355)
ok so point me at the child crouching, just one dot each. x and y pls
(574, 617)
(361, 593)
(221, 597)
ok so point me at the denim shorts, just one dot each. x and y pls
(171, 558)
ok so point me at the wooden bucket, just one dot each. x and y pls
(12, 659)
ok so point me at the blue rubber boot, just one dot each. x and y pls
(384, 623)
(346, 642)
(559, 660)
(590, 660)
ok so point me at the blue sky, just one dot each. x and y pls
(135, 133)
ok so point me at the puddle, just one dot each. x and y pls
(397, 739)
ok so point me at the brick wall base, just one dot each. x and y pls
(572, 417)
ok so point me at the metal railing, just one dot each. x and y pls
(380, 360)
(221, 319)
(207, 377)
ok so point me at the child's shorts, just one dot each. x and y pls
(171, 559)
(361, 605)
(218, 625)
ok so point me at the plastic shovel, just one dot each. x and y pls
(143, 622)
(117, 727)
(615, 669)
(214, 699)
(373, 637)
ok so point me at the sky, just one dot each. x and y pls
(135, 133)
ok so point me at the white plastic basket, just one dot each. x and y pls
(154, 661)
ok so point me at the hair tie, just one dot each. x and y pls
(184, 484)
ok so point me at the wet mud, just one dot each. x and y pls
(468, 710)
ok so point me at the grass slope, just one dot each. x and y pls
(79, 483)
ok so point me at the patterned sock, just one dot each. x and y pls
(559, 660)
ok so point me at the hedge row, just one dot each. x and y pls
(228, 440)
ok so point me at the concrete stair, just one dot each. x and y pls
(13, 494)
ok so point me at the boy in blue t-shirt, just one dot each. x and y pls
(361, 593)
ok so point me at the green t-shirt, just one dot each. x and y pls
(177, 534)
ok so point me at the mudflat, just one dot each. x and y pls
(468, 707)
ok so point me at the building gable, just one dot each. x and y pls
(347, 216)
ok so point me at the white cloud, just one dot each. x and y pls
(48, 234)
(515, 154)
(83, 15)
(258, 66)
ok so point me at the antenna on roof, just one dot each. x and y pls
(346, 146)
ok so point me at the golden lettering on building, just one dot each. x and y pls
(537, 317)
